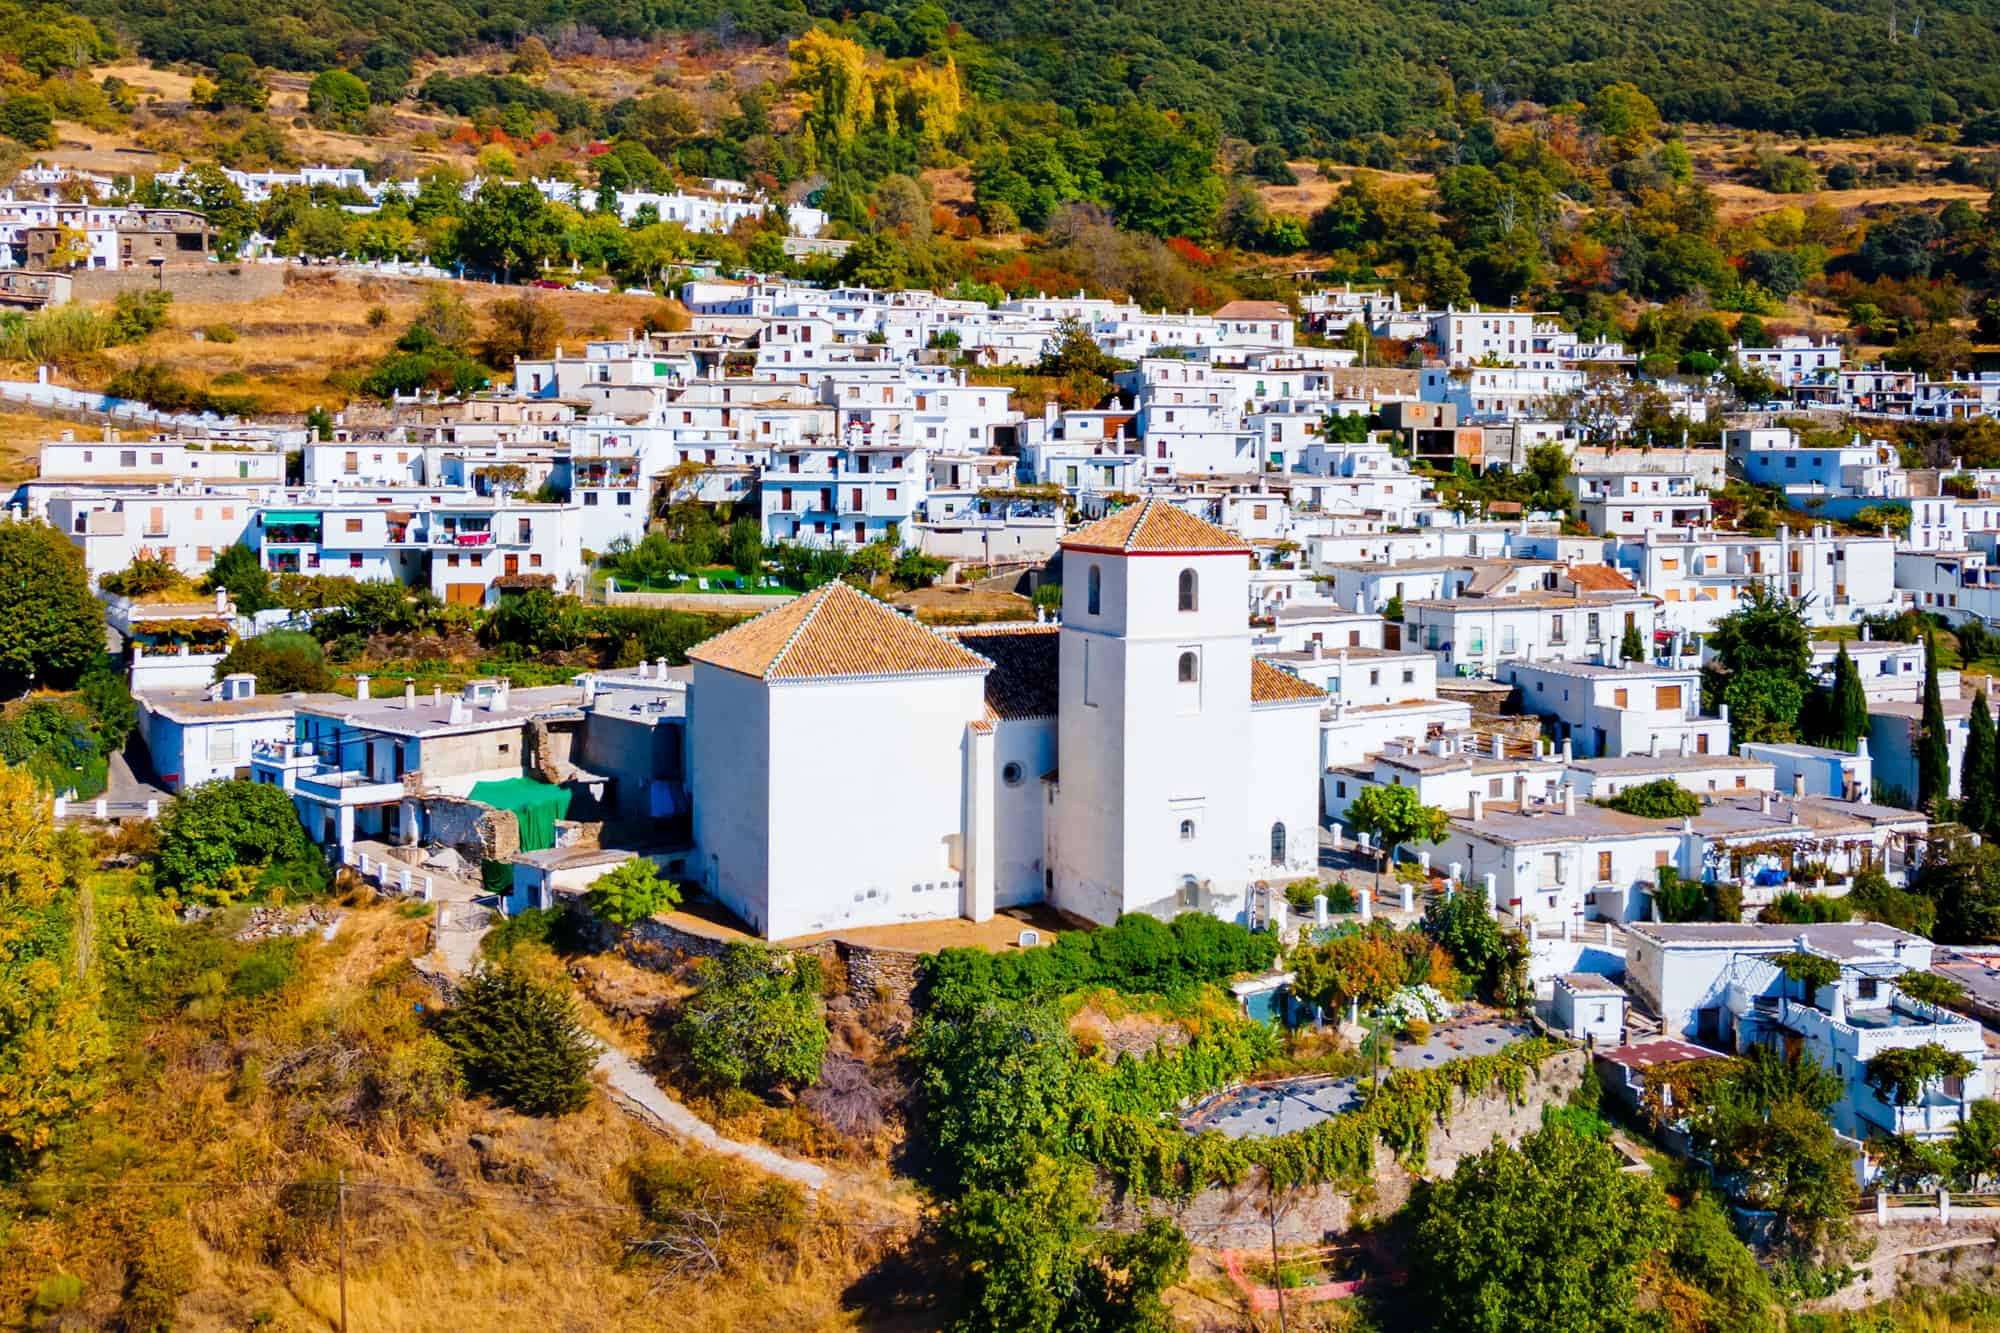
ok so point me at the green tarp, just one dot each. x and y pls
(537, 806)
(275, 517)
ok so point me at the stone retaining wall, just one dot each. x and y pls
(205, 282)
(1238, 1216)
(865, 970)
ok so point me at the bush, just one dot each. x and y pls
(518, 1038)
(281, 660)
(213, 837)
(632, 892)
(754, 1019)
(1138, 955)
(1661, 799)
(1805, 909)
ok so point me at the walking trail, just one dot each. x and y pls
(632, 1089)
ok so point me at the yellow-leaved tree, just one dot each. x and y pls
(52, 1039)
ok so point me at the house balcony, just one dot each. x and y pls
(346, 787)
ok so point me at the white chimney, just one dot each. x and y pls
(222, 601)
(409, 692)
(437, 696)
(457, 709)
(1478, 806)
(1655, 751)
(500, 695)
(1798, 785)
(1764, 802)
(361, 687)
(1568, 753)
(1569, 798)
(589, 689)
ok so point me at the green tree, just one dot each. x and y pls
(1495, 958)
(1662, 798)
(1763, 660)
(506, 226)
(337, 100)
(51, 627)
(1395, 815)
(632, 892)
(52, 1039)
(238, 571)
(1632, 648)
(29, 120)
(281, 660)
(753, 1019)
(1933, 743)
(997, 1079)
(212, 838)
(517, 1037)
(1979, 770)
(238, 82)
(1848, 709)
(1548, 1236)
(1034, 1263)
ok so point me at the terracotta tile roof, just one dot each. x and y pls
(833, 631)
(1154, 525)
(1598, 578)
(1252, 310)
(1268, 685)
(1024, 682)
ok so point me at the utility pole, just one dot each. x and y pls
(340, 1205)
(1271, 1211)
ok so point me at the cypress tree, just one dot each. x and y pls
(1850, 702)
(1933, 747)
(1982, 765)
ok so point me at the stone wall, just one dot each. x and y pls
(476, 832)
(204, 282)
(1238, 1215)
(864, 970)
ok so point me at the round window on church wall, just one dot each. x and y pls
(1011, 775)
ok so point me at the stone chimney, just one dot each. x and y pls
(361, 687)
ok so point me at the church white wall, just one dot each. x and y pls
(869, 777)
(1020, 806)
(1284, 788)
(729, 777)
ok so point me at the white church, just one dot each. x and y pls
(850, 767)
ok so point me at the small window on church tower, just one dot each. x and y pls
(1187, 830)
(1190, 669)
(1095, 583)
(1189, 590)
(1011, 775)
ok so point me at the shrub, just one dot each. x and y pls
(1138, 955)
(518, 1038)
(1805, 909)
(753, 1020)
(632, 892)
(281, 660)
(214, 837)
(1661, 799)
